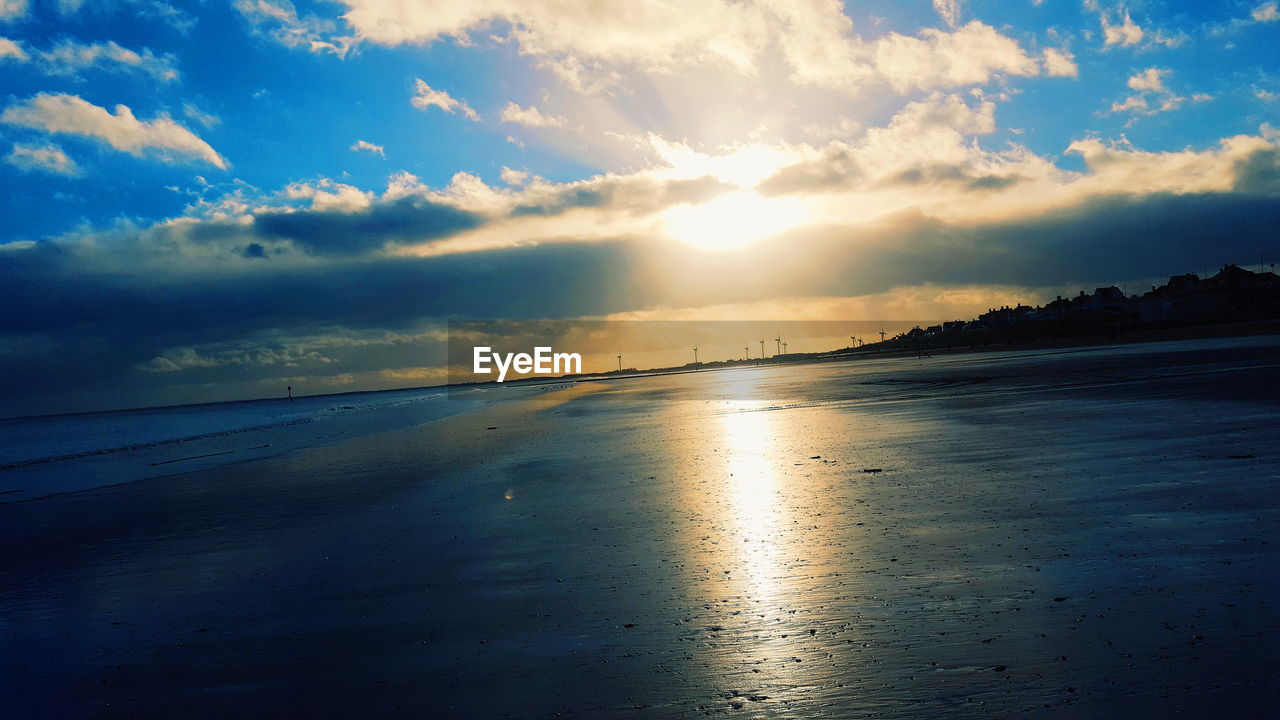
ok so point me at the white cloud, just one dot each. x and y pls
(1059, 63)
(279, 20)
(587, 43)
(47, 157)
(1154, 96)
(1267, 12)
(69, 114)
(10, 49)
(1133, 103)
(1151, 79)
(530, 116)
(363, 146)
(12, 9)
(1119, 168)
(968, 56)
(514, 177)
(70, 58)
(209, 120)
(327, 195)
(657, 35)
(1118, 27)
(425, 97)
(948, 10)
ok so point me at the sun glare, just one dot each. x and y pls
(732, 221)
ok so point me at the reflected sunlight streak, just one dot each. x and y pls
(755, 498)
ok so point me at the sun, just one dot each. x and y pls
(732, 221)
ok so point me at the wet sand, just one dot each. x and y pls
(1077, 534)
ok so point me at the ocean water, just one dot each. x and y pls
(43, 456)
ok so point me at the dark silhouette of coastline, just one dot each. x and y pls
(1233, 295)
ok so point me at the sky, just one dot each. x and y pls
(211, 200)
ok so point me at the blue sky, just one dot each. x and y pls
(306, 192)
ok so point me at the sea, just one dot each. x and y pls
(49, 455)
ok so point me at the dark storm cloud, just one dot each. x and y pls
(99, 327)
(1259, 172)
(358, 231)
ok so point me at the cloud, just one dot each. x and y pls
(514, 177)
(1120, 30)
(529, 117)
(968, 56)
(1118, 27)
(363, 146)
(70, 58)
(279, 20)
(1153, 96)
(1059, 63)
(186, 358)
(925, 144)
(47, 157)
(1266, 12)
(588, 45)
(948, 10)
(12, 50)
(425, 97)
(71, 115)
(1133, 103)
(654, 36)
(208, 120)
(12, 9)
(1151, 79)
(354, 230)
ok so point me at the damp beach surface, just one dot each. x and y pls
(1081, 534)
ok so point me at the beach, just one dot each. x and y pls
(1075, 533)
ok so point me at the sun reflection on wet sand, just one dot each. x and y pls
(755, 553)
(753, 491)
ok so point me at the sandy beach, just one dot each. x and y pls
(1087, 533)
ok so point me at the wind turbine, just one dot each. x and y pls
(784, 347)
(619, 362)
(746, 351)
(778, 341)
(762, 348)
(695, 355)
(881, 336)
(853, 341)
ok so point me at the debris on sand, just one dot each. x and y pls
(872, 470)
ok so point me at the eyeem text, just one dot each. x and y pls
(542, 362)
